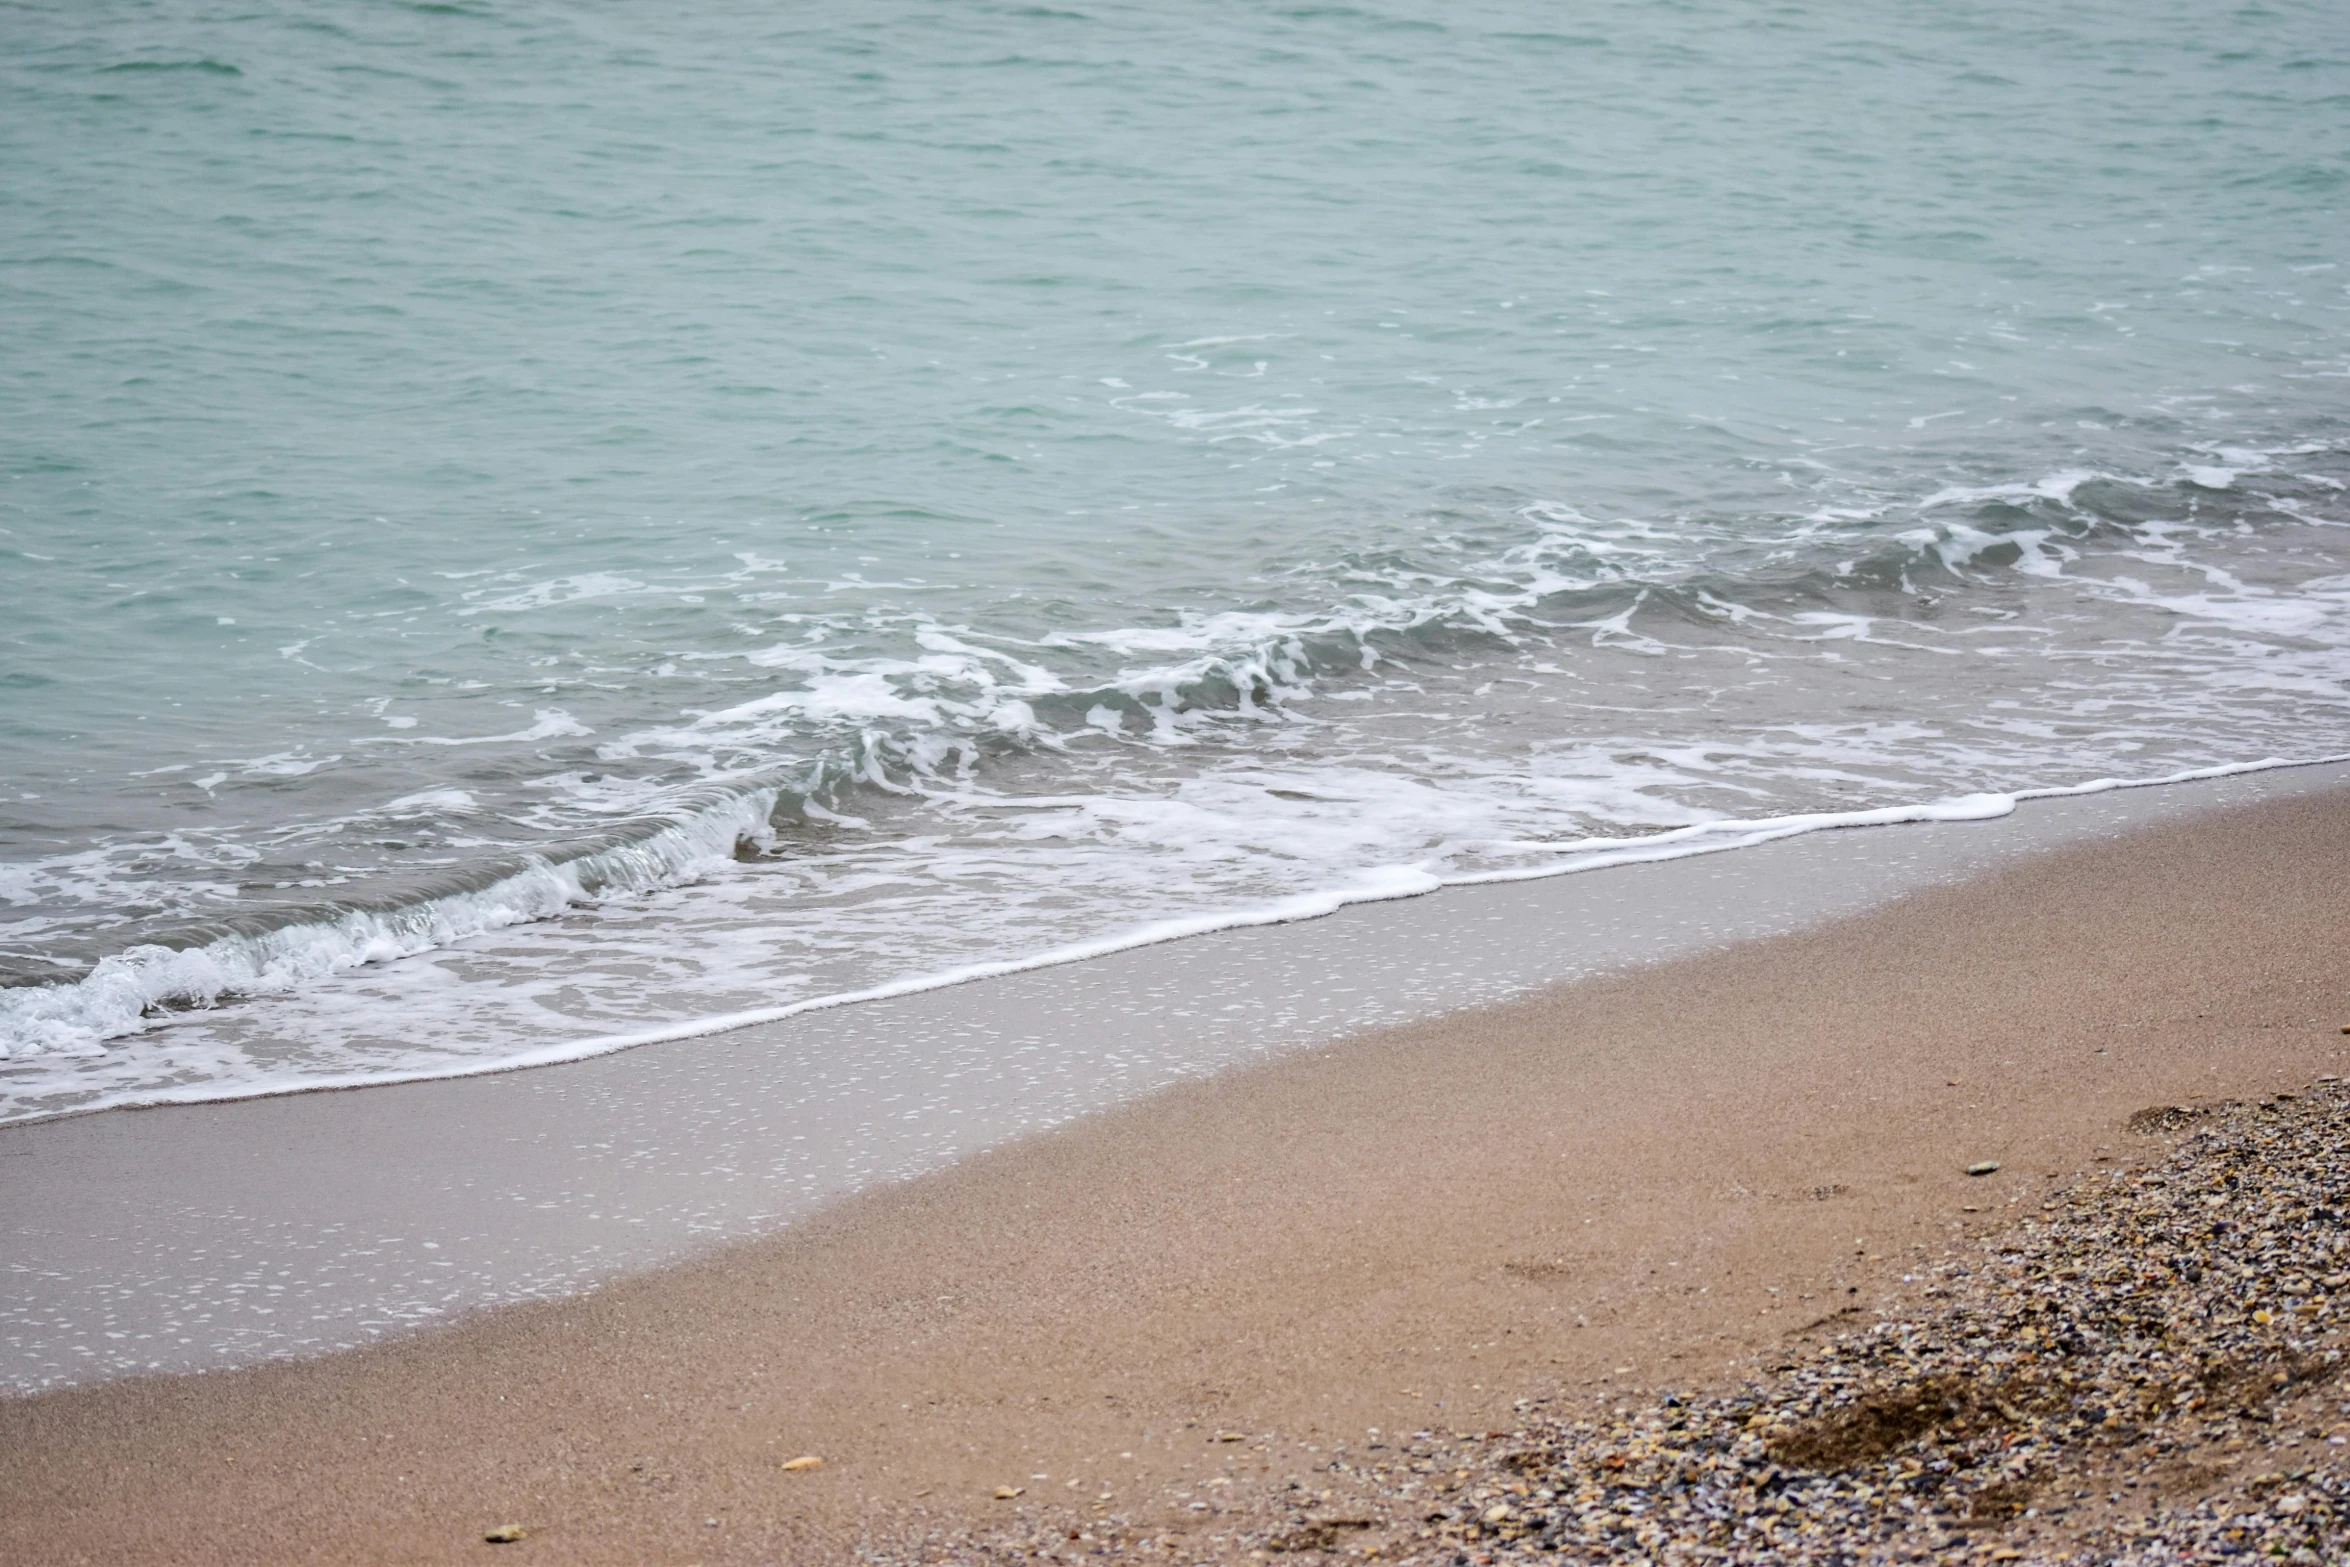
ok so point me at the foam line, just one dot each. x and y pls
(1383, 886)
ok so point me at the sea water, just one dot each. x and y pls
(527, 526)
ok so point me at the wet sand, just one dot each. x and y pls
(1639, 1178)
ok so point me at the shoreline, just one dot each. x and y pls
(1633, 1179)
(202, 1236)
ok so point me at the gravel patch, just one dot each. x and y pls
(2144, 1372)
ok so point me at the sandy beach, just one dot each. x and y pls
(955, 786)
(1640, 1180)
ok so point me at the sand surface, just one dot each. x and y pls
(1634, 1179)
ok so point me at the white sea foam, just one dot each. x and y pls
(1212, 767)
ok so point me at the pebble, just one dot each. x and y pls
(802, 1464)
(1984, 1167)
(505, 1534)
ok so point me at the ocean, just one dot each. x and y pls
(525, 528)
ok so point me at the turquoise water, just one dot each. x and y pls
(526, 524)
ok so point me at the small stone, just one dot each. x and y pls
(505, 1534)
(1004, 1493)
(802, 1464)
(1984, 1167)
(1231, 1436)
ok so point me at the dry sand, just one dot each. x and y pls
(1647, 1177)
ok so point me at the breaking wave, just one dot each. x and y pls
(1361, 696)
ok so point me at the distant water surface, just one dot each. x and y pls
(526, 523)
